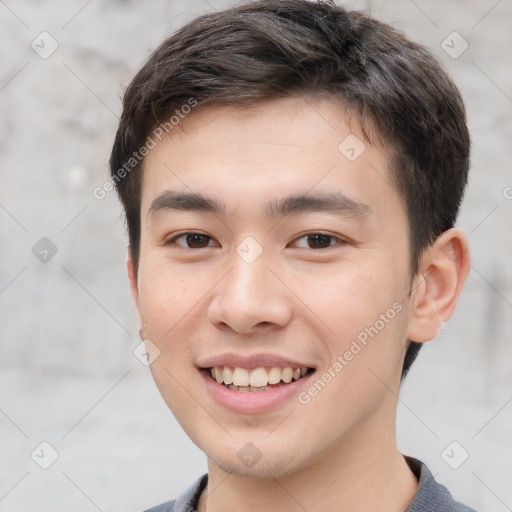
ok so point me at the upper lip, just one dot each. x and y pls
(251, 361)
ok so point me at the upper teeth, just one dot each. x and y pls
(258, 377)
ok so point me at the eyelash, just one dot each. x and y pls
(339, 241)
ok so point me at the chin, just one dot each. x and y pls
(258, 472)
(272, 464)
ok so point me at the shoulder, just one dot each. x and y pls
(164, 507)
(431, 496)
(187, 501)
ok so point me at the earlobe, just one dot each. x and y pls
(444, 267)
(134, 287)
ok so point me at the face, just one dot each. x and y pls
(271, 240)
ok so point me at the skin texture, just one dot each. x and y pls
(338, 452)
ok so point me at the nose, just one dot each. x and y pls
(249, 299)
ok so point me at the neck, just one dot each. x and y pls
(367, 473)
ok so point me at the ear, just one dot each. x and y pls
(134, 287)
(444, 267)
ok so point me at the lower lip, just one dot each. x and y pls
(252, 401)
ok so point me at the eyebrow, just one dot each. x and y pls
(170, 200)
(330, 202)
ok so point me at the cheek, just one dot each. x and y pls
(368, 318)
(364, 313)
(172, 309)
(167, 300)
(353, 297)
(165, 296)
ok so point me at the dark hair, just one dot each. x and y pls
(270, 49)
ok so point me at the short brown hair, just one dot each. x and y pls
(270, 49)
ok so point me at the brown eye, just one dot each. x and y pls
(191, 241)
(319, 241)
(197, 240)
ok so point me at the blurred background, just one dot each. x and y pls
(82, 426)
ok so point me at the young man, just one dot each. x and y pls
(291, 173)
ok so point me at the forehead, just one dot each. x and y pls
(248, 156)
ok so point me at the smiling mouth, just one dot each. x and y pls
(258, 379)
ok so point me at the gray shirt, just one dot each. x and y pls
(430, 495)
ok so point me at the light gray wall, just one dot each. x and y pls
(68, 376)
